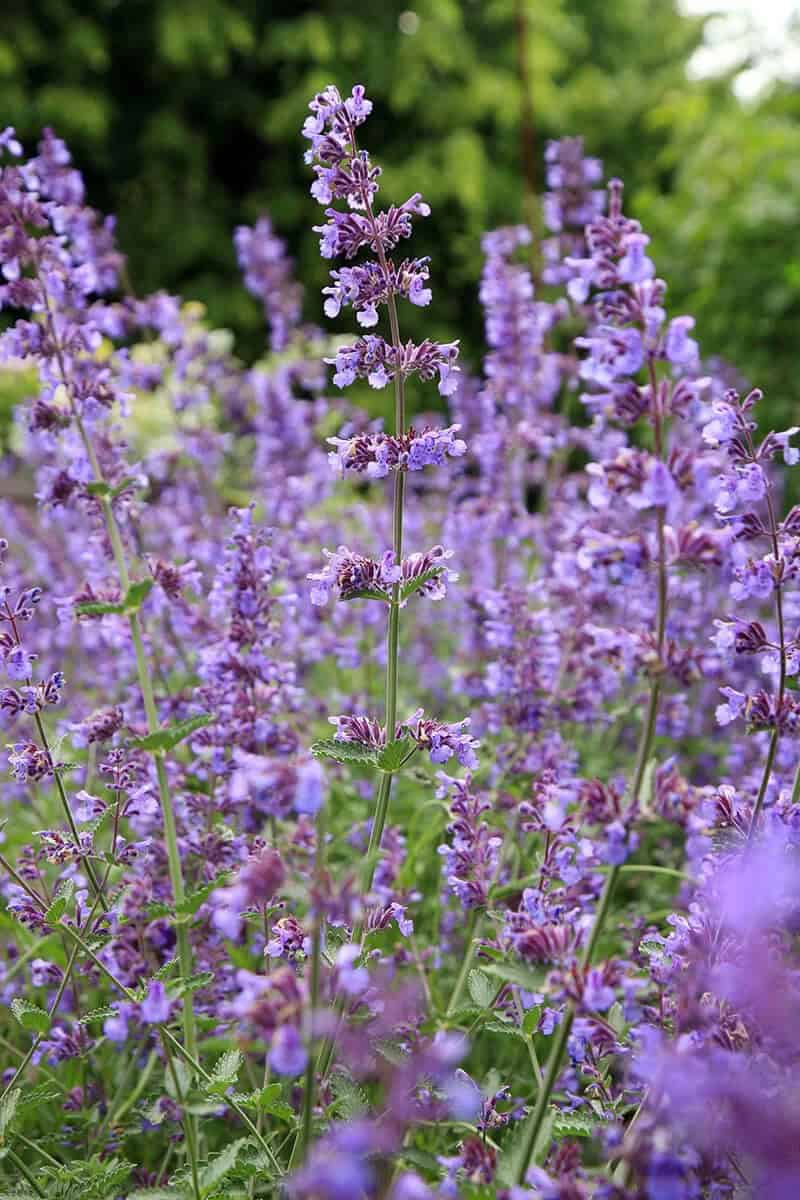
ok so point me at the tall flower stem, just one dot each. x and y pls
(145, 682)
(466, 963)
(303, 1139)
(773, 741)
(644, 749)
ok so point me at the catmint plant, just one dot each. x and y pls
(559, 957)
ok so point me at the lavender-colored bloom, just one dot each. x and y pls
(354, 980)
(354, 576)
(268, 276)
(377, 454)
(287, 1054)
(155, 1008)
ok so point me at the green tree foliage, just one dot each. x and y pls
(184, 116)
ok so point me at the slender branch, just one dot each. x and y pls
(303, 1139)
(24, 1171)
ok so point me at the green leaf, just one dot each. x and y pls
(97, 1014)
(8, 1109)
(267, 1100)
(225, 1072)
(344, 752)
(575, 1124)
(531, 1019)
(480, 989)
(350, 1100)
(158, 1194)
(392, 755)
(171, 735)
(37, 1096)
(97, 609)
(131, 602)
(98, 487)
(30, 1016)
(419, 581)
(165, 968)
(220, 1166)
(136, 595)
(181, 987)
(59, 906)
(190, 904)
(183, 1073)
(524, 977)
(511, 1159)
(367, 594)
(504, 1028)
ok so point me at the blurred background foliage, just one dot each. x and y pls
(184, 117)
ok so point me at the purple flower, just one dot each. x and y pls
(287, 1054)
(354, 980)
(155, 1008)
(268, 276)
(18, 663)
(732, 708)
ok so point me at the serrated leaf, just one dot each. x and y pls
(165, 968)
(392, 755)
(181, 987)
(524, 977)
(96, 608)
(350, 1100)
(367, 594)
(574, 1124)
(267, 1100)
(344, 752)
(97, 1014)
(530, 1021)
(651, 947)
(36, 1096)
(59, 906)
(511, 1159)
(183, 1074)
(136, 595)
(220, 1166)
(171, 735)
(194, 900)
(225, 1072)
(157, 1194)
(505, 1028)
(30, 1016)
(8, 1109)
(419, 581)
(480, 989)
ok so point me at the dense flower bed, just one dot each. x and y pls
(402, 807)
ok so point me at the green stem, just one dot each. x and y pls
(466, 963)
(24, 1171)
(62, 795)
(303, 1139)
(188, 1123)
(643, 752)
